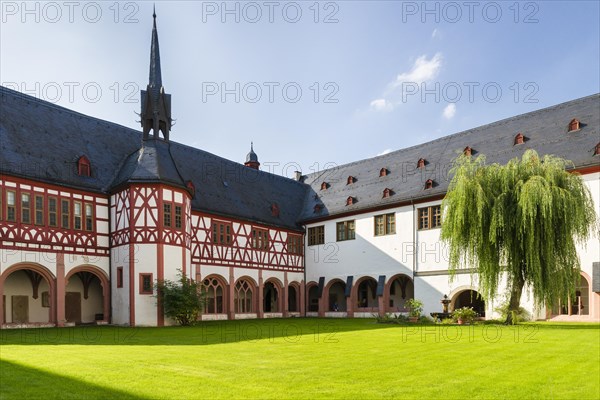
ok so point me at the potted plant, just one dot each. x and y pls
(464, 315)
(415, 308)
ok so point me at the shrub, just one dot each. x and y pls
(521, 315)
(181, 300)
(415, 307)
(466, 314)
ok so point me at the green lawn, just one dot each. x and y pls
(303, 358)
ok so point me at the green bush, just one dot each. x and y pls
(415, 307)
(466, 314)
(521, 315)
(181, 300)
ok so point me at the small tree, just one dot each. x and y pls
(522, 219)
(182, 299)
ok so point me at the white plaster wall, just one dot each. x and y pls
(145, 304)
(120, 296)
(590, 251)
(9, 257)
(18, 284)
(210, 270)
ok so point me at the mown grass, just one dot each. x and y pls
(303, 358)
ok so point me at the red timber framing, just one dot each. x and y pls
(39, 234)
(241, 252)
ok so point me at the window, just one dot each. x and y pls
(324, 186)
(222, 233)
(421, 163)
(597, 150)
(294, 244)
(519, 139)
(316, 235)
(387, 192)
(350, 200)
(275, 210)
(468, 151)
(52, 211)
(25, 208)
(428, 184)
(178, 217)
(350, 180)
(213, 296)
(317, 208)
(64, 214)
(345, 230)
(260, 239)
(39, 210)
(243, 296)
(574, 125)
(11, 206)
(145, 283)
(89, 217)
(385, 224)
(430, 217)
(119, 277)
(77, 215)
(383, 172)
(167, 214)
(83, 166)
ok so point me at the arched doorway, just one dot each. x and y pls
(365, 296)
(293, 298)
(312, 300)
(399, 290)
(469, 298)
(29, 295)
(336, 296)
(580, 305)
(84, 300)
(244, 296)
(214, 291)
(271, 295)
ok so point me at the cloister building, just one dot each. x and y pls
(92, 214)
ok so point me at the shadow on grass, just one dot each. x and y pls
(21, 382)
(205, 333)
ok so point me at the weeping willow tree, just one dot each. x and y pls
(522, 219)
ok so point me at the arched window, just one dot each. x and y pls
(84, 167)
(214, 296)
(574, 125)
(243, 296)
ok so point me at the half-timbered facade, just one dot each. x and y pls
(92, 214)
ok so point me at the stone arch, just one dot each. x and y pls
(44, 273)
(245, 296)
(312, 297)
(272, 296)
(398, 289)
(364, 294)
(104, 284)
(293, 297)
(333, 299)
(467, 296)
(215, 301)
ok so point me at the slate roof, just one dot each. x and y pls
(545, 131)
(42, 141)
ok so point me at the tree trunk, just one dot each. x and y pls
(515, 299)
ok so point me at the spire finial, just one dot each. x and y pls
(251, 146)
(154, 11)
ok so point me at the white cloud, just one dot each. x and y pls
(449, 111)
(423, 70)
(386, 151)
(381, 105)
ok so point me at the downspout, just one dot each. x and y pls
(110, 263)
(414, 231)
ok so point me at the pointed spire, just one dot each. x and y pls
(155, 80)
(252, 158)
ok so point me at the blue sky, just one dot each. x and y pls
(374, 76)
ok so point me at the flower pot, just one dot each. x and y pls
(461, 322)
(413, 319)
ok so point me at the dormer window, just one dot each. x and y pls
(350, 200)
(83, 166)
(387, 192)
(597, 150)
(190, 186)
(429, 184)
(275, 210)
(421, 163)
(324, 186)
(519, 139)
(317, 208)
(383, 172)
(350, 180)
(574, 125)
(468, 151)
